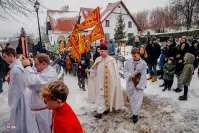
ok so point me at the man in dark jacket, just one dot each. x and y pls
(170, 51)
(153, 50)
(87, 57)
(3, 71)
(137, 43)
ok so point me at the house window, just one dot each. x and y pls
(107, 23)
(130, 24)
(107, 36)
(130, 35)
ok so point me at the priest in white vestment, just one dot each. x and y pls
(133, 67)
(20, 114)
(36, 80)
(109, 93)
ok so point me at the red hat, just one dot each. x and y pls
(103, 46)
(101, 41)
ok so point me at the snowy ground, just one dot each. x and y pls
(161, 111)
(4, 109)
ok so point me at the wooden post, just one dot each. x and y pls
(124, 48)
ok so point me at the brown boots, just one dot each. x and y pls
(154, 78)
(150, 77)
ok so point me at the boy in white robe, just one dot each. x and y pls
(109, 93)
(132, 67)
(36, 82)
(19, 110)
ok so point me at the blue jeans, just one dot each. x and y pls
(152, 69)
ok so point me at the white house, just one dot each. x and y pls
(109, 18)
(59, 24)
(57, 21)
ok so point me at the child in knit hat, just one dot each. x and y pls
(82, 74)
(169, 71)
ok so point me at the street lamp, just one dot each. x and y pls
(36, 6)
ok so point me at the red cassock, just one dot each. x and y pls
(64, 120)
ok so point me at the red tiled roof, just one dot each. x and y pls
(86, 11)
(111, 7)
(62, 21)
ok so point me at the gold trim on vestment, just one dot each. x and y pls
(106, 84)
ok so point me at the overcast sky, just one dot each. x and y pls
(9, 28)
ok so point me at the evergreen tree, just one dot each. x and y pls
(30, 44)
(23, 33)
(119, 30)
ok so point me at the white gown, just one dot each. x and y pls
(112, 97)
(136, 96)
(20, 113)
(35, 82)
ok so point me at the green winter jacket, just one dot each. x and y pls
(186, 76)
(169, 70)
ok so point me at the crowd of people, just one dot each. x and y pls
(180, 59)
(34, 89)
(33, 92)
(72, 67)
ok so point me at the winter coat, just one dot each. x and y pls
(145, 59)
(170, 51)
(137, 45)
(43, 50)
(186, 76)
(111, 48)
(68, 64)
(81, 70)
(87, 57)
(130, 42)
(162, 58)
(96, 55)
(169, 71)
(153, 51)
(73, 60)
(195, 52)
(182, 53)
(63, 56)
(4, 68)
(62, 63)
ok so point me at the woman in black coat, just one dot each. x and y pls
(97, 53)
(194, 49)
(184, 48)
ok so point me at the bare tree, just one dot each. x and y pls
(44, 36)
(187, 8)
(196, 14)
(11, 9)
(142, 19)
(65, 8)
(157, 20)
